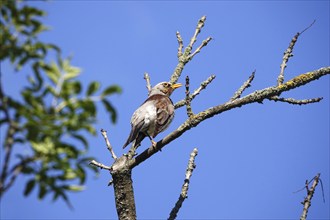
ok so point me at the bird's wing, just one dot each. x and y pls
(140, 121)
(165, 114)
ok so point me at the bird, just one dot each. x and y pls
(154, 115)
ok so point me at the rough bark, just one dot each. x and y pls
(123, 187)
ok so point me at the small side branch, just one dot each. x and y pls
(180, 42)
(294, 101)
(204, 43)
(185, 55)
(245, 85)
(99, 165)
(147, 78)
(202, 86)
(288, 53)
(188, 99)
(104, 134)
(185, 187)
(308, 199)
(199, 27)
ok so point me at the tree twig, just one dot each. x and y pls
(188, 99)
(186, 56)
(202, 86)
(204, 43)
(308, 199)
(185, 187)
(99, 165)
(245, 85)
(294, 101)
(180, 42)
(199, 27)
(147, 78)
(288, 53)
(104, 134)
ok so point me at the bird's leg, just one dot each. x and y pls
(154, 143)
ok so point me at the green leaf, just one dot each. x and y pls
(28, 170)
(81, 174)
(69, 89)
(69, 175)
(46, 147)
(66, 199)
(53, 72)
(21, 63)
(88, 106)
(70, 71)
(111, 90)
(74, 188)
(110, 109)
(69, 150)
(3, 120)
(81, 138)
(89, 128)
(32, 133)
(37, 81)
(92, 88)
(76, 87)
(29, 187)
(42, 190)
(57, 193)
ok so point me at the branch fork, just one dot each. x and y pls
(310, 192)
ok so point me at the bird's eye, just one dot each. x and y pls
(166, 85)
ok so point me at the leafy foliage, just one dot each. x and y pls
(53, 114)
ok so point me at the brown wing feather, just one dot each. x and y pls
(165, 112)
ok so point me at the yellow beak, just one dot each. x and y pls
(177, 85)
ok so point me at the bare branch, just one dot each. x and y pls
(288, 54)
(245, 85)
(180, 42)
(99, 165)
(257, 96)
(308, 199)
(294, 101)
(308, 27)
(104, 134)
(147, 78)
(185, 187)
(202, 86)
(186, 56)
(204, 43)
(188, 99)
(199, 27)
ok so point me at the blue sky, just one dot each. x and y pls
(250, 159)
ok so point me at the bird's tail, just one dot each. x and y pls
(136, 140)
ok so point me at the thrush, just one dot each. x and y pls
(154, 115)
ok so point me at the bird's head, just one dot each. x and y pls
(164, 88)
